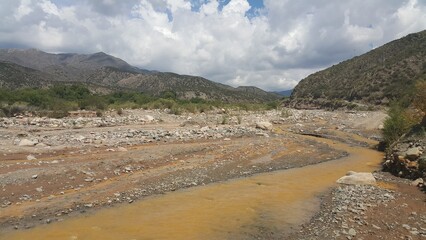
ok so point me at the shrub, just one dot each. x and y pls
(175, 110)
(395, 125)
(420, 99)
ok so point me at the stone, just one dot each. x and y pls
(89, 179)
(31, 157)
(413, 153)
(417, 182)
(35, 176)
(41, 145)
(148, 118)
(354, 178)
(121, 149)
(264, 125)
(352, 232)
(25, 142)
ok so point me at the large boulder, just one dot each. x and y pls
(354, 178)
(264, 125)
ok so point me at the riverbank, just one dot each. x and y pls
(70, 170)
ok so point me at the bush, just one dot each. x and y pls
(395, 125)
(420, 99)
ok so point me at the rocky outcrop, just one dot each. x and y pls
(408, 159)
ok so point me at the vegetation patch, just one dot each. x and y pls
(58, 100)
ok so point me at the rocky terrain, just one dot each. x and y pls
(407, 159)
(53, 169)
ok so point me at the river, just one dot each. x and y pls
(268, 203)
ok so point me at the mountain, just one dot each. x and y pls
(285, 93)
(15, 76)
(35, 68)
(374, 78)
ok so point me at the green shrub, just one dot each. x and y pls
(395, 125)
(176, 110)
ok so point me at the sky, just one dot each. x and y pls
(271, 44)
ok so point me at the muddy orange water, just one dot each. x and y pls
(236, 209)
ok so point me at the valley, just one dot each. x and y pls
(56, 171)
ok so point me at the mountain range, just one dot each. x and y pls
(102, 72)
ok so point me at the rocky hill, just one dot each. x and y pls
(100, 71)
(375, 78)
(16, 76)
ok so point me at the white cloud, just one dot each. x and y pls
(23, 9)
(273, 50)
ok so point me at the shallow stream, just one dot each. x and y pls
(265, 204)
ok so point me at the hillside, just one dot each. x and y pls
(16, 76)
(100, 71)
(375, 78)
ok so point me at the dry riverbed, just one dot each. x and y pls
(51, 170)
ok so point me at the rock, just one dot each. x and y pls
(89, 179)
(352, 232)
(417, 182)
(89, 205)
(413, 153)
(31, 157)
(41, 145)
(40, 189)
(35, 176)
(26, 142)
(264, 125)
(121, 149)
(354, 178)
(148, 118)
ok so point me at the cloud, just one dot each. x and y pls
(283, 42)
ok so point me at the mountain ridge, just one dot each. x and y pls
(377, 77)
(106, 71)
